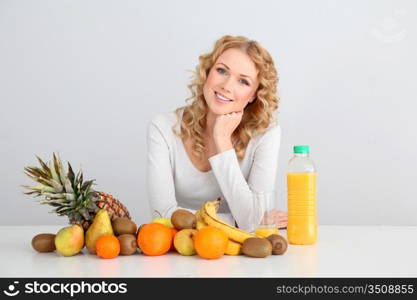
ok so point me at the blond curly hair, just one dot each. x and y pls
(257, 115)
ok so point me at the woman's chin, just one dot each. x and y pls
(215, 109)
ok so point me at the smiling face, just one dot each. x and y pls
(231, 83)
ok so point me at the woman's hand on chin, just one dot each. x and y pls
(223, 129)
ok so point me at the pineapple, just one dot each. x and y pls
(70, 195)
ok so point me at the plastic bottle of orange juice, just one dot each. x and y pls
(302, 202)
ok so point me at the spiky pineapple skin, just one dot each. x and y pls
(113, 206)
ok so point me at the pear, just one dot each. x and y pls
(184, 241)
(101, 225)
(69, 240)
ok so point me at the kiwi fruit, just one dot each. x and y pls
(44, 242)
(183, 219)
(257, 247)
(123, 225)
(128, 244)
(279, 244)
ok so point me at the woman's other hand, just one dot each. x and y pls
(279, 217)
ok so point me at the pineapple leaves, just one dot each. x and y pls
(71, 176)
(64, 190)
(29, 193)
(44, 166)
(61, 202)
(78, 182)
(92, 206)
(59, 168)
(53, 195)
(32, 177)
(81, 177)
(84, 212)
(54, 169)
(87, 185)
(56, 185)
(35, 172)
(62, 211)
(40, 188)
(69, 196)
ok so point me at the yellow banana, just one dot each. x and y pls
(209, 214)
(233, 248)
(200, 221)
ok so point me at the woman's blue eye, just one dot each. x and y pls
(221, 70)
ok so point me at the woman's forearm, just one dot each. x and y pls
(223, 144)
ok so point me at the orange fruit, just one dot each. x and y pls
(155, 239)
(210, 242)
(108, 246)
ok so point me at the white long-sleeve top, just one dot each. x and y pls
(174, 182)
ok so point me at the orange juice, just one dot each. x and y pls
(302, 215)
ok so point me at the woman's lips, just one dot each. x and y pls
(222, 100)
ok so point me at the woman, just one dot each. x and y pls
(223, 144)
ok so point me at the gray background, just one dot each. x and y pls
(83, 78)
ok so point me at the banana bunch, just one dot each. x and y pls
(233, 248)
(200, 223)
(207, 216)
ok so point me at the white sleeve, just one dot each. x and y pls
(160, 182)
(262, 177)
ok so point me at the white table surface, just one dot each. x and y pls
(341, 251)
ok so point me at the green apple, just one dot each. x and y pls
(184, 241)
(165, 221)
(161, 220)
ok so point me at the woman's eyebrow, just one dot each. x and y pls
(243, 75)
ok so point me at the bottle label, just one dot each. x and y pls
(302, 208)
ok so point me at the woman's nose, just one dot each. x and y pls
(227, 85)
